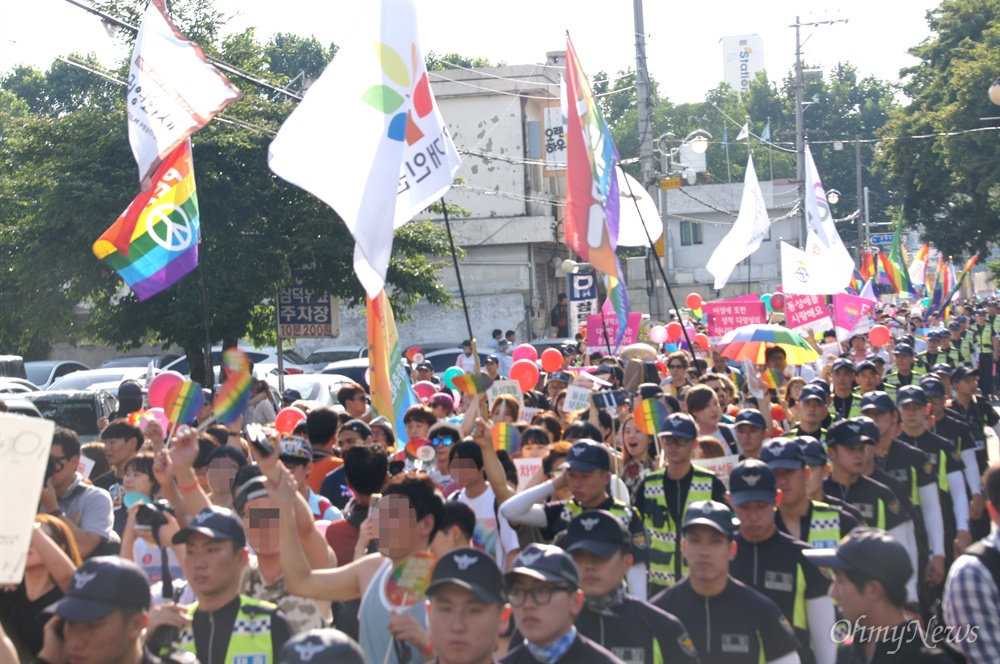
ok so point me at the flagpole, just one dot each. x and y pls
(729, 172)
(461, 289)
(663, 273)
(210, 375)
(770, 163)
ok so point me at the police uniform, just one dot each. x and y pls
(879, 506)
(777, 568)
(843, 409)
(559, 513)
(662, 502)
(638, 633)
(738, 625)
(244, 631)
(822, 526)
(944, 459)
(978, 416)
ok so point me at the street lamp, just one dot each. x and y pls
(995, 92)
(833, 197)
(570, 266)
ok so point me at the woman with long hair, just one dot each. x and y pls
(53, 556)
(640, 454)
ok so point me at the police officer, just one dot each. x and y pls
(751, 430)
(817, 523)
(543, 587)
(960, 350)
(811, 409)
(771, 561)
(872, 572)
(907, 371)
(846, 401)
(102, 617)
(928, 358)
(664, 496)
(587, 475)
(728, 620)
(818, 465)
(947, 466)
(631, 629)
(225, 627)
(987, 343)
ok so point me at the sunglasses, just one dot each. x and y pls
(676, 366)
(442, 442)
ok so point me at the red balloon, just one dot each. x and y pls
(777, 413)
(674, 331)
(693, 301)
(525, 372)
(552, 360)
(701, 340)
(777, 302)
(287, 418)
(661, 367)
(879, 335)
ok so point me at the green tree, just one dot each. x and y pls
(945, 181)
(435, 62)
(66, 173)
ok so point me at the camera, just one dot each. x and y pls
(51, 469)
(152, 515)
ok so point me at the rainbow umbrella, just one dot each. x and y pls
(750, 342)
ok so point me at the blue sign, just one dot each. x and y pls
(582, 300)
(885, 238)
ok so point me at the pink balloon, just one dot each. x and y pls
(287, 418)
(777, 301)
(658, 334)
(160, 416)
(160, 385)
(525, 352)
(424, 390)
(525, 372)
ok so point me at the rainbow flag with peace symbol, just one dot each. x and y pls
(154, 243)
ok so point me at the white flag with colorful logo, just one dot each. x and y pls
(368, 139)
(173, 91)
(750, 229)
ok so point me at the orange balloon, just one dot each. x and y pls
(701, 340)
(693, 301)
(525, 373)
(551, 360)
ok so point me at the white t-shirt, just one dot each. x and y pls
(485, 535)
(147, 556)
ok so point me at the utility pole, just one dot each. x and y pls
(857, 173)
(799, 127)
(646, 166)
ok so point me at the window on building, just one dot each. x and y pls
(690, 233)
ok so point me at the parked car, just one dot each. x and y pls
(16, 386)
(266, 355)
(82, 380)
(442, 360)
(159, 361)
(354, 369)
(321, 357)
(18, 405)
(12, 366)
(45, 372)
(319, 388)
(78, 410)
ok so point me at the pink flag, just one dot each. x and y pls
(851, 315)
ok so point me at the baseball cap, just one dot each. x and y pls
(980, 311)
(679, 424)
(425, 365)
(752, 417)
(867, 364)
(943, 367)
(911, 394)
(442, 399)
(357, 426)
(712, 514)
(295, 448)
(587, 455)
(752, 480)
(471, 569)
(932, 386)
(872, 358)
(904, 349)
(291, 395)
(963, 371)
(321, 645)
(843, 363)
(782, 453)
(932, 334)
(954, 325)
(544, 562)
(101, 585)
(878, 400)
(811, 391)
(129, 388)
(872, 551)
(558, 375)
(822, 384)
(217, 523)
(868, 429)
(962, 318)
(813, 451)
(467, 343)
(492, 359)
(846, 432)
(597, 531)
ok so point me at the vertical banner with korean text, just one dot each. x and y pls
(582, 301)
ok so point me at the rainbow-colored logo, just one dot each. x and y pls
(388, 100)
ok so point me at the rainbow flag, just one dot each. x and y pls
(898, 275)
(592, 200)
(389, 383)
(867, 266)
(957, 285)
(154, 243)
(773, 378)
(940, 286)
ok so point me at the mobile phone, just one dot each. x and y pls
(610, 398)
(259, 440)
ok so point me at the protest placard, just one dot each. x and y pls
(24, 455)
(804, 312)
(499, 387)
(526, 469)
(577, 398)
(721, 466)
(727, 315)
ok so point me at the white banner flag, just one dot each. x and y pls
(813, 272)
(744, 132)
(745, 236)
(368, 139)
(173, 91)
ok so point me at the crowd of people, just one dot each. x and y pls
(857, 521)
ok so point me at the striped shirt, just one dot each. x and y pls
(971, 598)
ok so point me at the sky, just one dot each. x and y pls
(682, 38)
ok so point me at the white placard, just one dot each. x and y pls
(526, 469)
(86, 466)
(511, 387)
(721, 466)
(528, 413)
(577, 398)
(24, 455)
